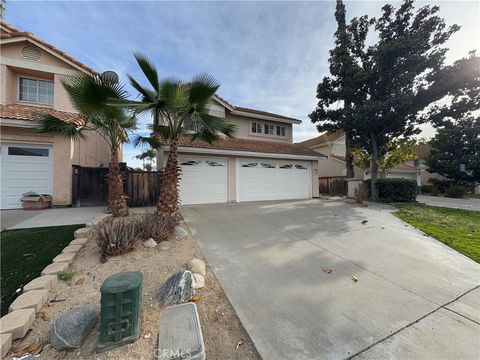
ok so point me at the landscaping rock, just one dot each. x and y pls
(55, 268)
(164, 245)
(71, 249)
(199, 281)
(178, 289)
(197, 266)
(31, 299)
(65, 257)
(180, 232)
(82, 233)
(45, 282)
(150, 243)
(72, 327)
(17, 323)
(79, 241)
(5, 343)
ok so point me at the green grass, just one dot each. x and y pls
(25, 253)
(459, 229)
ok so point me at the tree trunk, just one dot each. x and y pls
(374, 175)
(117, 200)
(168, 199)
(348, 156)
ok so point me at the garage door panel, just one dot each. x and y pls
(29, 166)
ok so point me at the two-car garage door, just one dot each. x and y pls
(24, 167)
(206, 180)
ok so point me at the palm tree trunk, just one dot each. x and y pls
(168, 199)
(117, 200)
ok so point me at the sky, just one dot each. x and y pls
(266, 55)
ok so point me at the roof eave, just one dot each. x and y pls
(265, 117)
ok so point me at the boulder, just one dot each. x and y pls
(164, 246)
(72, 327)
(199, 281)
(178, 289)
(150, 243)
(197, 266)
(180, 232)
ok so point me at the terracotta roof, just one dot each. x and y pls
(15, 33)
(28, 112)
(250, 145)
(322, 139)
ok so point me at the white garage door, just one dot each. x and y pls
(264, 179)
(204, 180)
(24, 168)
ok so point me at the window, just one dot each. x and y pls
(256, 128)
(214, 163)
(280, 130)
(23, 151)
(286, 166)
(36, 91)
(300, 167)
(191, 163)
(268, 165)
(268, 129)
(250, 165)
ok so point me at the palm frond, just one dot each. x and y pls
(153, 142)
(201, 90)
(147, 95)
(53, 125)
(210, 126)
(149, 70)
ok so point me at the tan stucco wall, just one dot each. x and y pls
(244, 127)
(331, 167)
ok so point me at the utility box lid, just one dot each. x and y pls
(180, 334)
(122, 282)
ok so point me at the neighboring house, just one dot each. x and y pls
(31, 71)
(333, 145)
(260, 163)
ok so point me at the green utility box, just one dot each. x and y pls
(121, 300)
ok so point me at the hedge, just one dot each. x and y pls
(395, 189)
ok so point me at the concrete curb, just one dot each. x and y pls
(35, 294)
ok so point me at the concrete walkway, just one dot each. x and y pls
(415, 297)
(24, 219)
(466, 204)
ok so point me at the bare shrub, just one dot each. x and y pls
(151, 225)
(114, 237)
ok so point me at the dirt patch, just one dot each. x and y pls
(224, 335)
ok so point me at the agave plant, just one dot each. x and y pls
(89, 95)
(178, 109)
(114, 237)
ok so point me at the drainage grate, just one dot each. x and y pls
(180, 334)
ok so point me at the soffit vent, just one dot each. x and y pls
(31, 53)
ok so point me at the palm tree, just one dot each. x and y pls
(178, 109)
(149, 155)
(89, 96)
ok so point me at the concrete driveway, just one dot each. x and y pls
(415, 297)
(465, 204)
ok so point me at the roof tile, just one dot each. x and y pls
(29, 112)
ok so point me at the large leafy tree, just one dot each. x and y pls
(90, 96)
(179, 109)
(457, 140)
(336, 92)
(400, 76)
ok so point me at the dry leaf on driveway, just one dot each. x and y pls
(354, 277)
(80, 281)
(195, 298)
(327, 270)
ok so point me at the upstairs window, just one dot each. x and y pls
(280, 130)
(268, 129)
(256, 128)
(35, 91)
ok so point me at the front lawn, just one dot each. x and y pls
(25, 253)
(459, 229)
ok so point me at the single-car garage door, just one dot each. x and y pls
(24, 167)
(265, 179)
(204, 180)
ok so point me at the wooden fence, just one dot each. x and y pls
(333, 185)
(89, 186)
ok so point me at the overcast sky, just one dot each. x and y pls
(266, 55)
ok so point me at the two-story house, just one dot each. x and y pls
(260, 163)
(31, 71)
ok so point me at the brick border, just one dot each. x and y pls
(16, 323)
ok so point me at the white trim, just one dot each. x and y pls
(47, 49)
(265, 117)
(223, 103)
(253, 154)
(334, 158)
(237, 180)
(33, 65)
(18, 123)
